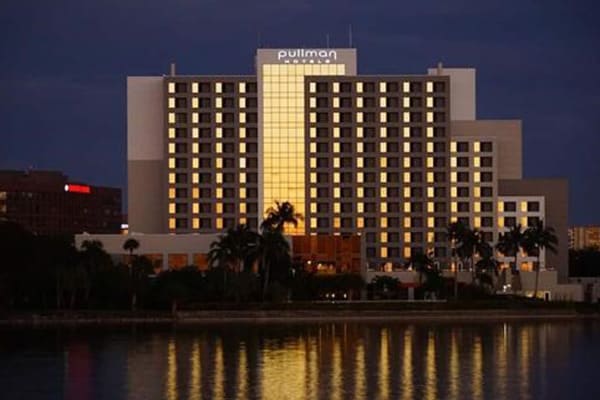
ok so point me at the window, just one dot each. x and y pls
(533, 206)
(462, 147)
(486, 147)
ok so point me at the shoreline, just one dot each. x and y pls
(232, 317)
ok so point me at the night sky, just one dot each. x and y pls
(63, 66)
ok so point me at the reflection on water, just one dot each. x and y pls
(304, 361)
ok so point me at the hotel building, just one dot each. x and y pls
(390, 158)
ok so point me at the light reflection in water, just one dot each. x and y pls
(407, 365)
(370, 361)
(454, 367)
(477, 372)
(171, 386)
(431, 377)
(196, 372)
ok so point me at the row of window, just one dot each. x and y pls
(371, 147)
(208, 87)
(372, 177)
(209, 163)
(208, 148)
(219, 177)
(374, 162)
(208, 208)
(345, 132)
(371, 207)
(346, 117)
(208, 133)
(208, 102)
(207, 118)
(465, 147)
(372, 87)
(371, 102)
(182, 193)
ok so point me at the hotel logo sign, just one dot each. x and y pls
(306, 56)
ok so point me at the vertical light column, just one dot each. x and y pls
(283, 136)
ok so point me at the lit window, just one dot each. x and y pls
(313, 207)
(336, 147)
(407, 177)
(336, 102)
(194, 87)
(171, 102)
(430, 222)
(429, 117)
(195, 223)
(336, 162)
(219, 193)
(382, 147)
(430, 162)
(383, 222)
(171, 208)
(336, 208)
(242, 162)
(171, 148)
(195, 178)
(313, 222)
(360, 192)
(476, 147)
(406, 116)
(313, 102)
(312, 87)
(242, 118)
(500, 222)
(219, 163)
(523, 206)
(500, 206)
(195, 133)
(242, 102)
(242, 208)
(313, 162)
(430, 102)
(383, 192)
(242, 177)
(219, 132)
(219, 177)
(195, 118)
(454, 207)
(359, 147)
(360, 222)
(313, 117)
(242, 87)
(430, 177)
(406, 237)
(383, 117)
(242, 193)
(453, 163)
(195, 208)
(171, 87)
(359, 117)
(336, 193)
(429, 132)
(476, 191)
(171, 118)
(453, 147)
(477, 206)
(406, 146)
(195, 148)
(336, 132)
(195, 193)
(430, 192)
(171, 133)
(383, 207)
(219, 223)
(359, 132)
(359, 177)
(336, 117)
(171, 223)
(218, 87)
(360, 207)
(336, 87)
(359, 87)
(453, 177)
(406, 102)
(406, 132)
(382, 102)
(336, 177)
(477, 222)
(406, 87)
(476, 177)
(218, 118)
(406, 207)
(313, 132)
(171, 163)
(218, 148)
(313, 147)
(383, 162)
(453, 191)
(382, 87)
(195, 102)
(430, 147)
(313, 193)
(429, 87)
(382, 177)
(359, 102)
(359, 162)
(383, 251)
(407, 222)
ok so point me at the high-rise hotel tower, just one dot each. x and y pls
(393, 158)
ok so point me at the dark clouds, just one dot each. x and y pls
(63, 66)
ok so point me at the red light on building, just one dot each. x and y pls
(77, 188)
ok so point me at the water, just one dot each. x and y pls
(550, 360)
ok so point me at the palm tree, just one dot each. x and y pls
(510, 243)
(456, 232)
(421, 263)
(537, 238)
(130, 245)
(272, 247)
(232, 249)
(280, 215)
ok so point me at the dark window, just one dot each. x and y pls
(181, 223)
(416, 132)
(322, 222)
(415, 102)
(228, 102)
(532, 221)
(462, 177)
(345, 87)
(346, 102)
(486, 162)
(439, 132)
(462, 191)
(439, 102)
(486, 147)
(533, 206)
(462, 161)
(486, 177)
(510, 221)
(487, 206)
(487, 191)
(439, 147)
(439, 86)
(463, 206)
(181, 87)
(510, 206)
(462, 147)
(487, 222)
(322, 87)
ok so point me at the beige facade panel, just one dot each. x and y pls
(507, 135)
(556, 195)
(146, 196)
(462, 91)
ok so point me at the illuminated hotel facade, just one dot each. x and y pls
(392, 158)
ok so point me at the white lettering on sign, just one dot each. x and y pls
(306, 56)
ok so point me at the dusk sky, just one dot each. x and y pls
(63, 66)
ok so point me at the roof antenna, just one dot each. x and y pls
(350, 35)
(327, 39)
(258, 39)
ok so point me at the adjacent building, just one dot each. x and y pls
(581, 237)
(49, 203)
(390, 159)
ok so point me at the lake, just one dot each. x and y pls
(513, 360)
